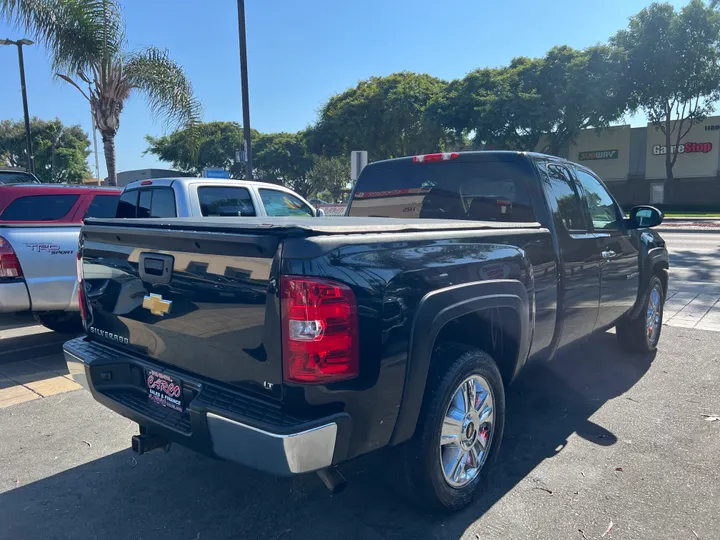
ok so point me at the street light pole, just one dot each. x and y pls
(21, 61)
(28, 140)
(244, 85)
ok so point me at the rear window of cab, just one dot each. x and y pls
(468, 190)
(39, 208)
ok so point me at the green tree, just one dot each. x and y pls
(515, 106)
(210, 144)
(579, 90)
(672, 68)
(86, 41)
(383, 115)
(284, 157)
(60, 151)
(331, 175)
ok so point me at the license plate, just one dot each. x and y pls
(164, 390)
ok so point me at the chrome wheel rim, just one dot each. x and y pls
(653, 319)
(467, 431)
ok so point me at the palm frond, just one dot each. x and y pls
(77, 33)
(165, 85)
(69, 80)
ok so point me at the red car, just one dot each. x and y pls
(39, 231)
(55, 203)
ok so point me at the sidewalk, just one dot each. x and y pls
(693, 305)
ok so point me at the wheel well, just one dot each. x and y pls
(495, 331)
(661, 270)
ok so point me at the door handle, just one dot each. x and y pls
(608, 254)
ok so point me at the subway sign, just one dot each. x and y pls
(687, 148)
(598, 154)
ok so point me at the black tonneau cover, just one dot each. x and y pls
(293, 226)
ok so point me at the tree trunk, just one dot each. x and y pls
(108, 140)
(669, 183)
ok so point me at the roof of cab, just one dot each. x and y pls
(479, 155)
(55, 189)
(192, 179)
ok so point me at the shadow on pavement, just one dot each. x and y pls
(186, 496)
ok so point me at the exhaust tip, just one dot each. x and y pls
(333, 480)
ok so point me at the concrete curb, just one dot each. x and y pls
(692, 231)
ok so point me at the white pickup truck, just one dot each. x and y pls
(205, 197)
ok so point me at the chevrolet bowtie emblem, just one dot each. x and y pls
(157, 305)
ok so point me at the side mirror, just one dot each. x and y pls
(642, 217)
(320, 212)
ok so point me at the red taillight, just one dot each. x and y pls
(146, 183)
(429, 158)
(9, 264)
(320, 330)
(81, 286)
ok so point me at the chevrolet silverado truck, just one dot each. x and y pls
(39, 231)
(292, 345)
(207, 197)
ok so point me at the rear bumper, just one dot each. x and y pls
(14, 296)
(217, 421)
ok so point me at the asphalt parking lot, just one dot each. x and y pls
(598, 442)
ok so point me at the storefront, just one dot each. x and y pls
(606, 152)
(632, 163)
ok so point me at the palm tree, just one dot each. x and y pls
(86, 42)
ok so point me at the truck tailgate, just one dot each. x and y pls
(200, 302)
(47, 257)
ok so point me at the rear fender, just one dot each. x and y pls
(437, 309)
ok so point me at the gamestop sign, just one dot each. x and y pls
(686, 148)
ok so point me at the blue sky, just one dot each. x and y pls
(302, 52)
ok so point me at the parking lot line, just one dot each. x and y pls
(55, 385)
(16, 394)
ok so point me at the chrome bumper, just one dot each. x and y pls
(285, 451)
(301, 452)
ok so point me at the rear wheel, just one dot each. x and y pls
(460, 428)
(642, 333)
(60, 321)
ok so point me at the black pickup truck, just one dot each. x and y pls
(292, 345)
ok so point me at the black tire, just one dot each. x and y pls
(60, 321)
(451, 365)
(633, 334)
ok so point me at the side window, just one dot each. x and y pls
(39, 208)
(279, 203)
(103, 206)
(143, 209)
(225, 201)
(604, 213)
(565, 201)
(127, 206)
(163, 203)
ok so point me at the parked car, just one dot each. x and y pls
(294, 345)
(17, 176)
(39, 230)
(205, 197)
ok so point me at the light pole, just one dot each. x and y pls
(21, 61)
(244, 87)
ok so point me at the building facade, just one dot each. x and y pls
(631, 161)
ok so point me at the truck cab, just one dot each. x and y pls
(209, 197)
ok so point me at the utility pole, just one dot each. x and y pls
(244, 87)
(21, 61)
